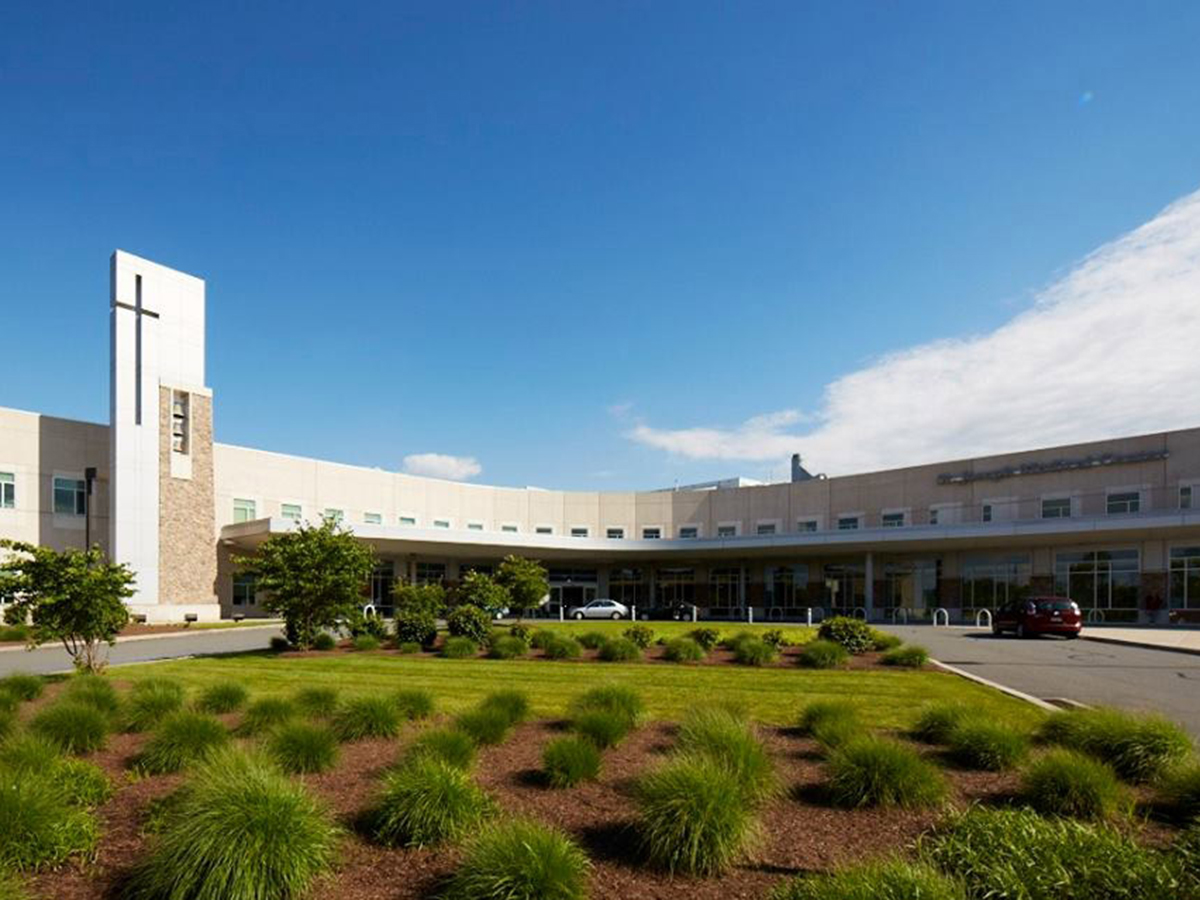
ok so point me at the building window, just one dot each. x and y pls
(69, 499)
(334, 515)
(848, 523)
(372, 518)
(893, 520)
(651, 534)
(615, 534)
(291, 511)
(806, 525)
(511, 529)
(8, 490)
(725, 586)
(1185, 578)
(987, 512)
(1185, 497)
(441, 523)
(1057, 508)
(764, 528)
(1101, 579)
(726, 531)
(243, 590)
(689, 532)
(579, 532)
(430, 573)
(544, 529)
(988, 582)
(933, 515)
(408, 520)
(1124, 502)
(474, 526)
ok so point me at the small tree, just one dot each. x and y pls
(73, 596)
(481, 591)
(525, 580)
(419, 598)
(313, 577)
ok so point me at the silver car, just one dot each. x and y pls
(599, 609)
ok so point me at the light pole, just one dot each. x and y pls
(89, 478)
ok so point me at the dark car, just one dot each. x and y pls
(1039, 615)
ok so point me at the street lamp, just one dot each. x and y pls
(89, 477)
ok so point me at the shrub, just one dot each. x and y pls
(823, 655)
(80, 783)
(222, 697)
(775, 637)
(181, 740)
(869, 771)
(522, 631)
(485, 725)
(359, 623)
(242, 830)
(408, 647)
(592, 640)
(427, 801)
(1017, 853)
(414, 703)
(372, 716)
(95, 691)
(507, 647)
(641, 636)
(514, 704)
(13, 633)
(732, 642)
(620, 650)
(820, 710)
(732, 744)
(541, 637)
(317, 701)
(982, 744)
(366, 642)
(603, 727)
(414, 627)
(909, 656)
(1138, 747)
(22, 685)
(302, 748)
(882, 641)
(279, 644)
(452, 746)
(469, 622)
(560, 647)
(150, 701)
(707, 638)
(754, 652)
(853, 634)
(937, 721)
(324, 641)
(267, 713)
(39, 829)
(890, 880)
(612, 697)
(683, 650)
(520, 860)
(74, 727)
(694, 817)
(1069, 783)
(459, 648)
(1179, 793)
(568, 761)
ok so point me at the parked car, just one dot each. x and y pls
(599, 609)
(679, 612)
(1039, 615)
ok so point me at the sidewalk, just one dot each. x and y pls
(1180, 640)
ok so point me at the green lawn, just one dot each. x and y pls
(772, 695)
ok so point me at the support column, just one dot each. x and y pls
(869, 586)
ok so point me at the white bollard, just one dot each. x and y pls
(750, 614)
(561, 614)
(633, 608)
(695, 613)
(808, 616)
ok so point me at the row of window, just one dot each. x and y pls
(70, 494)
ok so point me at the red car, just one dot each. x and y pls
(1039, 615)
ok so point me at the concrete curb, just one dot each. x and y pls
(170, 634)
(1012, 692)
(1146, 645)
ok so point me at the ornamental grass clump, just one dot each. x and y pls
(27, 751)
(602, 727)
(541, 637)
(409, 647)
(937, 721)
(372, 716)
(514, 704)
(882, 641)
(39, 827)
(730, 742)
(980, 743)
(242, 830)
(620, 649)
(874, 772)
(452, 746)
(181, 740)
(427, 801)
(755, 652)
(1009, 853)
(414, 703)
(222, 697)
(95, 691)
(507, 647)
(266, 713)
(1139, 747)
(23, 686)
(569, 760)
(459, 647)
(822, 655)
(910, 656)
(683, 650)
(831, 722)
(8, 719)
(593, 640)
(302, 748)
(324, 642)
(150, 701)
(890, 880)
(317, 702)
(561, 647)
(1179, 793)
(81, 783)
(695, 817)
(485, 726)
(613, 697)
(1066, 782)
(72, 726)
(78, 782)
(366, 642)
(520, 860)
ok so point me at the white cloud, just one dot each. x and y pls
(1111, 349)
(441, 465)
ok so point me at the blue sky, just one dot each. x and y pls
(576, 242)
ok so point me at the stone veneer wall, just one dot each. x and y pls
(187, 536)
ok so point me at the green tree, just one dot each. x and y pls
(313, 577)
(429, 599)
(73, 596)
(525, 580)
(481, 591)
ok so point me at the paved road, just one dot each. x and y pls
(50, 659)
(1090, 672)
